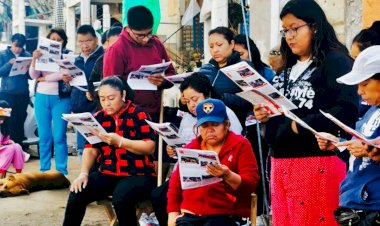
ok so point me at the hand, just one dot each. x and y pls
(11, 142)
(172, 217)
(171, 151)
(12, 61)
(66, 78)
(79, 183)
(218, 170)
(41, 79)
(89, 96)
(355, 147)
(261, 113)
(109, 138)
(374, 154)
(326, 145)
(37, 53)
(156, 80)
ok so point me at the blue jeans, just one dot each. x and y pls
(48, 110)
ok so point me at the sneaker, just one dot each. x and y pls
(26, 156)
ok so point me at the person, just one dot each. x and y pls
(194, 89)
(52, 99)
(241, 47)
(305, 180)
(224, 202)
(275, 60)
(125, 157)
(10, 152)
(221, 43)
(90, 52)
(359, 192)
(108, 38)
(15, 89)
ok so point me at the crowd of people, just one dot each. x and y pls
(330, 178)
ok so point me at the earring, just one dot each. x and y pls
(315, 32)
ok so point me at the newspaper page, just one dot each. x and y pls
(373, 142)
(177, 79)
(50, 50)
(20, 66)
(138, 80)
(70, 56)
(85, 123)
(168, 132)
(79, 78)
(192, 167)
(256, 89)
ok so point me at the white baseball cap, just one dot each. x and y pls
(366, 65)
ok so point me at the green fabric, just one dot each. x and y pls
(152, 5)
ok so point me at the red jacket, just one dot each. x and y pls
(219, 198)
(125, 55)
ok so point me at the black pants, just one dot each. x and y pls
(19, 104)
(126, 193)
(160, 202)
(212, 220)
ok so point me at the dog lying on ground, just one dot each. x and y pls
(24, 183)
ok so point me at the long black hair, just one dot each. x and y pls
(200, 83)
(61, 34)
(324, 37)
(255, 52)
(4, 128)
(118, 83)
(368, 37)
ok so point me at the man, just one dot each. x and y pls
(15, 89)
(137, 46)
(90, 52)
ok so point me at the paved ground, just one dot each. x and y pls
(46, 208)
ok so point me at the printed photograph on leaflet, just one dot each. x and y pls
(20, 66)
(138, 80)
(86, 124)
(50, 50)
(169, 133)
(68, 67)
(193, 167)
(177, 79)
(256, 89)
(373, 142)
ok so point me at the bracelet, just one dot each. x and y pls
(120, 141)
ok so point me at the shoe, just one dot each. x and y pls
(27, 156)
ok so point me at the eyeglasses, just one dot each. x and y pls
(87, 43)
(275, 53)
(142, 36)
(292, 31)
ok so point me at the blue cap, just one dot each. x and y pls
(211, 110)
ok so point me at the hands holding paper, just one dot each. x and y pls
(355, 147)
(327, 145)
(261, 113)
(109, 138)
(156, 79)
(66, 78)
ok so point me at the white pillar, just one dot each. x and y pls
(18, 21)
(85, 12)
(106, 17)
(206, 48)
(93, 13)
(70, 28)
(219, 13)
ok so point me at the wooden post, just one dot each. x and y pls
(253, 209)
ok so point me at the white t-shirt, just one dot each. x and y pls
(298, 68)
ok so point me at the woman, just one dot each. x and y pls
(221, 43)
(223, 202)
(10, 152)
(51, 101)
(194, 89)
(359, 192)
(125, 157)
(241, 47)
(305, 180)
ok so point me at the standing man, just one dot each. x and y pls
(15, 89)
(90, 52)
(137, 46)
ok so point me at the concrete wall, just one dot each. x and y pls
(371, 12)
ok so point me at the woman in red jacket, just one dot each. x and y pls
(224, 202)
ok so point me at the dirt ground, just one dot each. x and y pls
(46, 208)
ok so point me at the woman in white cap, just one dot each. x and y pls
(359, 192)
(224, 202)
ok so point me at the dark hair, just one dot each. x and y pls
(255, 52)
(376, 26)
(86, 29)
(113, 31)
(225, 31)
(117, 82)
(366, 38)
(200, 83)
(19, 39)
(139, 18)
(61, 34)
(376, 76)
(324, 37)
(5, 126)
(104, 37)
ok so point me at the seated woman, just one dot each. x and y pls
(359, 191)
(194, 89)
(126, 168)
(224, 202)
